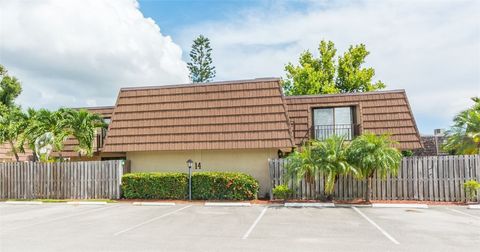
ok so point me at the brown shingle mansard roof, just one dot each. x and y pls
(380, 112)
(221, 115)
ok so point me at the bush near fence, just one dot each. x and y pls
(154, 185)
(205, 185)
(224, 185)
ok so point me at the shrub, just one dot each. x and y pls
(167, 185)
(205, 185)
(282, 192)
(407, 153)
(224, 185)
(471, 188)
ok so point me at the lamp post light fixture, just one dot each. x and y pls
(189, 163)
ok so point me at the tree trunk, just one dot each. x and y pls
(14, 150)
(368, 193)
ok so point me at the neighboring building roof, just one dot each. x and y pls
(430, 146)
(104, 111)
(380, 112)
(244, 114)
(7, 155)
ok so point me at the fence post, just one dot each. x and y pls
(271, 178)
(477, 171)
(121, 165)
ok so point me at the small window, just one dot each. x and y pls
(333, 121)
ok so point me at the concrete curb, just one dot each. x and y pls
(228, 204)
(86, 202)
(474, 207)
(23, 202)
(306, 204)
(153, 204)
(381, 205)
(353, 205)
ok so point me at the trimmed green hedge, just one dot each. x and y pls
(224, 185)
(169, 185)
(205, 186)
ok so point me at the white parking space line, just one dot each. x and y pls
(466, 214)
(474, 206)
(63, 217)
(245, 236)
(149, 221)
(227, 204)
(12, 202)
(376, 226)
(153, 203)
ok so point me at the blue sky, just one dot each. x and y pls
(429, 48)
(176, 15)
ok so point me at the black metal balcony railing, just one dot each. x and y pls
(322, 132)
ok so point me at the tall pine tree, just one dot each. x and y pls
(200, 65)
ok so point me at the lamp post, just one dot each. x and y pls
(189, 163)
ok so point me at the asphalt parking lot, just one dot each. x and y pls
(124, 227)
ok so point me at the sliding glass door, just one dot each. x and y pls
(333, 121)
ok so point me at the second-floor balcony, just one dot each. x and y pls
(99, 139)
(322, 132)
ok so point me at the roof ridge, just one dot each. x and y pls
(96, 107)
(186, 85)
(347, 94)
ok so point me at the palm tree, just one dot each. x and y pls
(47, 125)
(371, 153)
(331, 158)
(302, 164)
(82, 125)
(464, 136)
(47, 128)
(328, 156)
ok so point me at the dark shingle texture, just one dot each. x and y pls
(377, 112)
(224, 115)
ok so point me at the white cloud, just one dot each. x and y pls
(429, 48)
(80, 52)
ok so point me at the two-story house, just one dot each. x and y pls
(237, 125)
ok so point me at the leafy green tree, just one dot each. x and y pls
(324, 75)
(313, 75)
(12, 125)
(12, 122)
(371, 153)
(10, 88)
(351, 77)
(200, 65)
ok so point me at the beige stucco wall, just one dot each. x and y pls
(253, 162)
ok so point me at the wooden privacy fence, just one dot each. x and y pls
(63, 180)
(433, 178)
